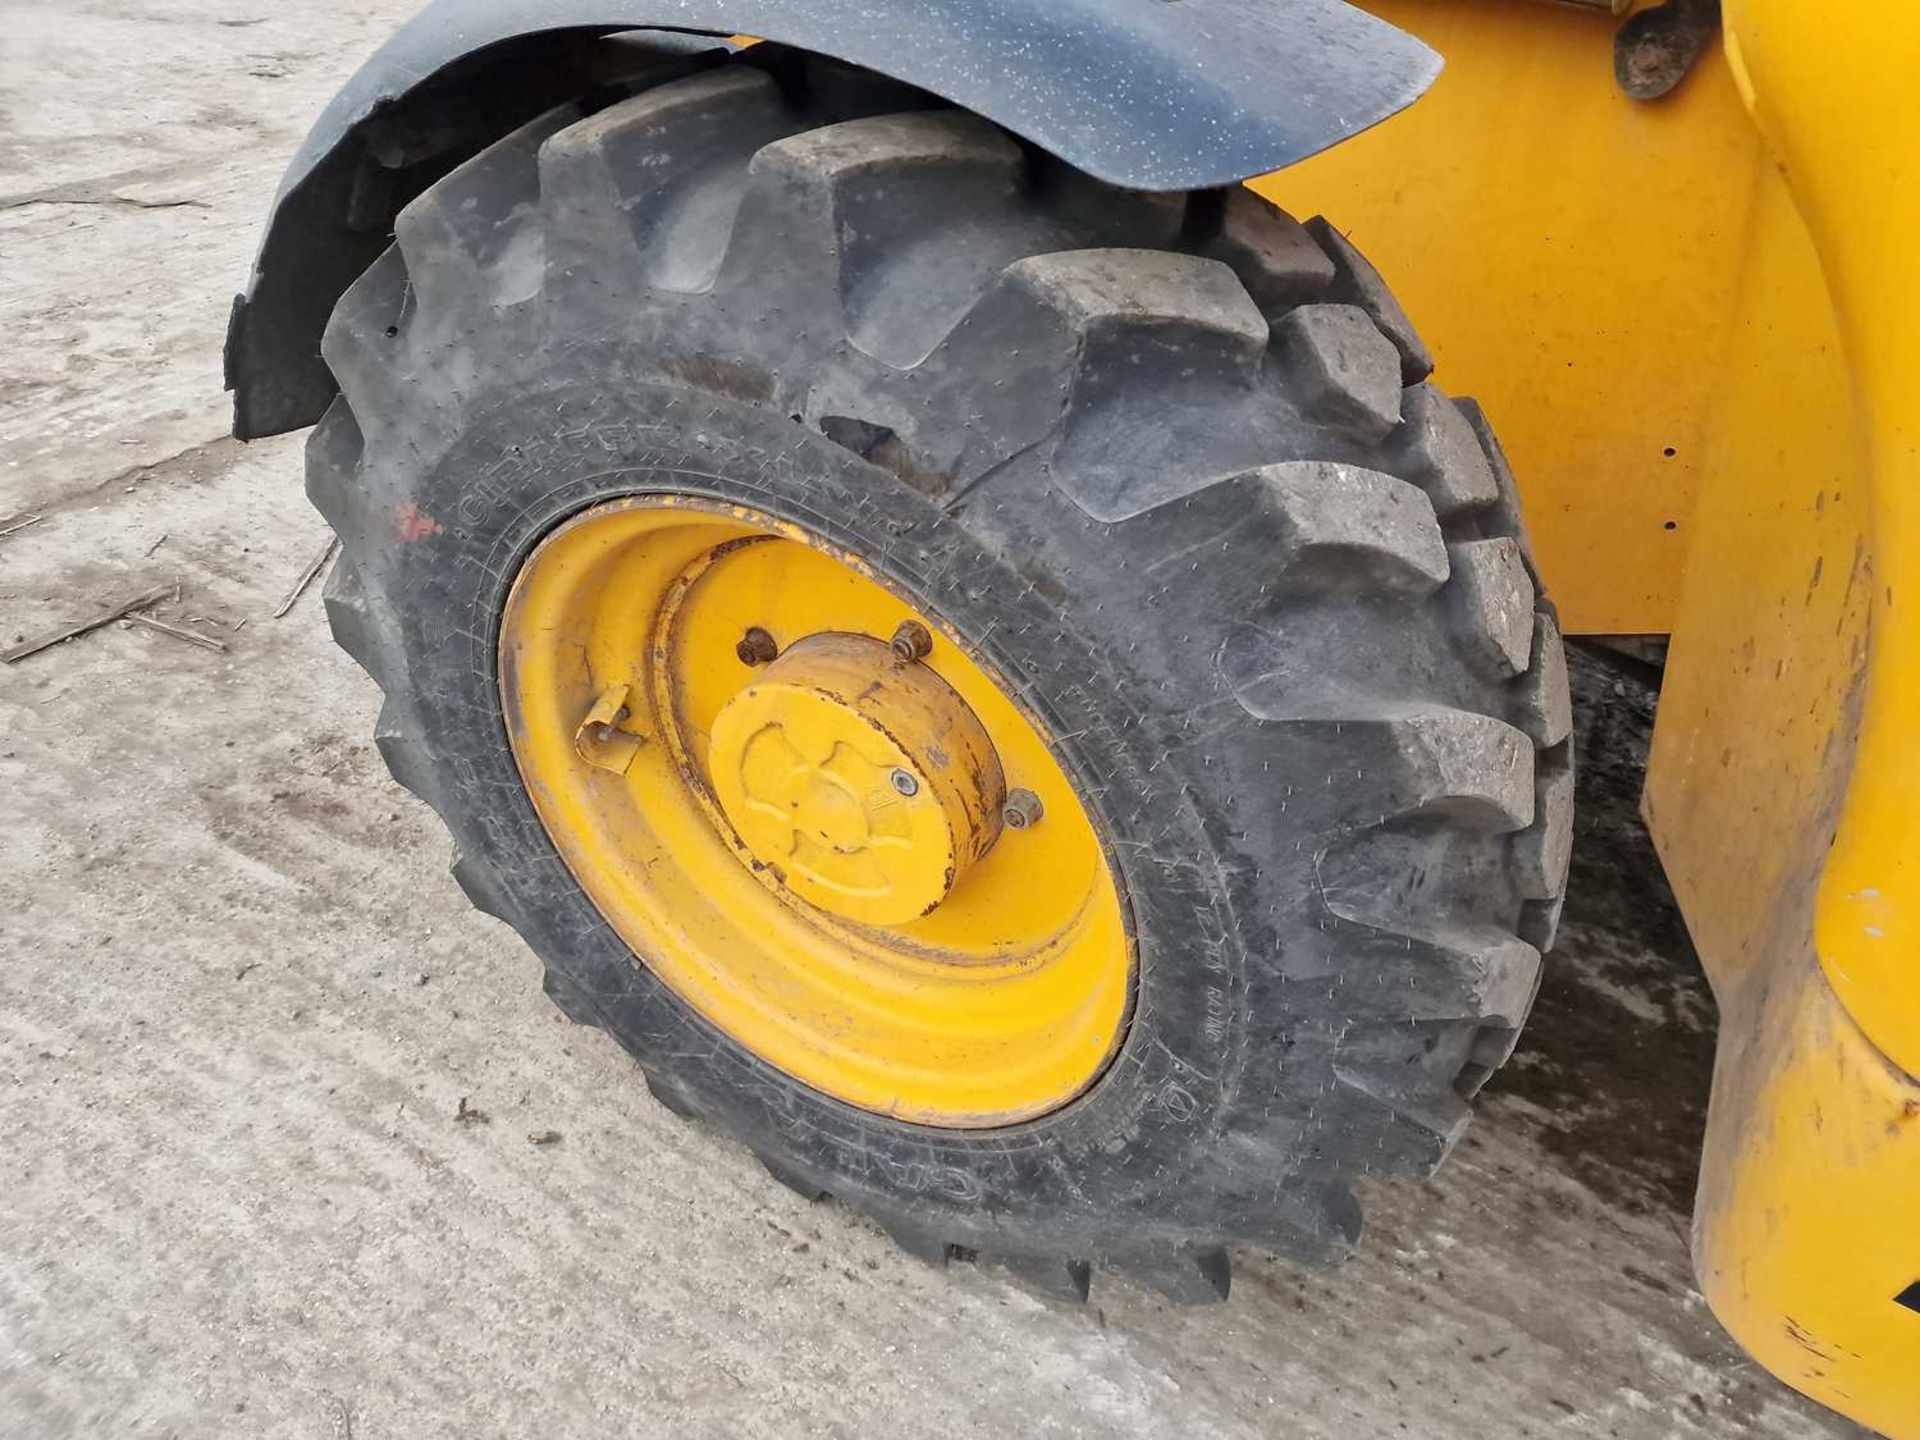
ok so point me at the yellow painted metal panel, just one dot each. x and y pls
(1769, 669)
(1755, 740)
(1784, 789)
(1571, 256)
(1796, 1238)
(1804, 1236)
(1834, 89)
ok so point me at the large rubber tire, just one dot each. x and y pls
(1173, 463)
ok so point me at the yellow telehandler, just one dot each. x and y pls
(971, 642)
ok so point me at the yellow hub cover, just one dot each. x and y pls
(809, 852)
(863, 783)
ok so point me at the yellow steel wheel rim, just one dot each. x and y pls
(808, 849)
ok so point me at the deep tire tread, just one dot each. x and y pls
(1407, 510)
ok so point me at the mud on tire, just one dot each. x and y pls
(1175, 465)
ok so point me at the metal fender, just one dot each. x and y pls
(1142, 93)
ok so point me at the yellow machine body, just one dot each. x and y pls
(1696, 323)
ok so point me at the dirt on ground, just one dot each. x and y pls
(290, 1144)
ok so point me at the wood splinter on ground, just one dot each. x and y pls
(68, 632)
(180, 632)
(544, 1137)
(24, 524)
(307, 576)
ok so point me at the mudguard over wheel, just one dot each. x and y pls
(1238, 599)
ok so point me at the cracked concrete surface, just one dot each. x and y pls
(243, 1007)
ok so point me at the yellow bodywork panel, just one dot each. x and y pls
(1804, 1237)
(1836, 94)
(1785, 777)
(1754, 746)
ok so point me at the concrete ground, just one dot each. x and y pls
(242, 1005)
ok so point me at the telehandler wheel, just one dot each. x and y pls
(1014, 698)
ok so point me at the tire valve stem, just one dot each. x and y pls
(1022, 810)
(905, 784)
(911, 642)
(757, 647)
(605, 731)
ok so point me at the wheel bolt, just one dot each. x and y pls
(757, 647)
(905, 783)
(911, 642)
(1022, 810)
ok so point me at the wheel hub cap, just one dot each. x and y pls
(865, 785)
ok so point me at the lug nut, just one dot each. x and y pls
(905, 783)
(911, 642)
(757, 647)
(1022, 810)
